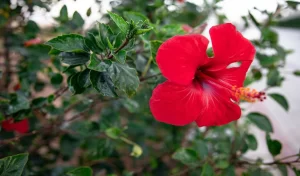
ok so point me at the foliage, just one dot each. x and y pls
(97, 119)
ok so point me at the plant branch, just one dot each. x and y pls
(126, 41)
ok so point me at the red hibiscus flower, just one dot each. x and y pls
(31, 42)
(20, 126)
(202, 89)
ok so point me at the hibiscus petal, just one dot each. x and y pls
(7, 125)
(218, 107)
(21, 126)
(229, 47)
(175, 104)
(179, 57)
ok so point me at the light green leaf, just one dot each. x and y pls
(261, 121)
(81, 171)
(114, 133)
(13, 165)
(124, 78)
(102, 83)
(187, 157)
(280, 100)
(68, 43)
(120, 22)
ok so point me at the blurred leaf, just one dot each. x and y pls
(120, 22)
(135, 16)
(266, 61)
(283, 169)
(270, 36)
(39, 102)
(207, 170)
(273, 78)
(77, 20)
(68, 43)
(114, 133)
(68, 144)
(13, 165)
(261, 121)
(280, 100)
(98, 65)
(230, 171)
(201, 148)
(81, 171)
(103, 83)
(89, 12)
(187, 157)
(251, 142)
(259, 172)
(84, 78)
(63, 17)
(17, 103)
(253, 20)
(155, 44)
(84, 129)
(121, 56)
(74, 58)
(57, 79)
(131, 105)
(124, 78)
(104, 32)
(293, 4)
(297, 73)
(274, 146)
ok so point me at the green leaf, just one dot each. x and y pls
(102, 83)
(202, 149)
(120, 22)
(18, 102)
(84, 78)
(124, 78)
(251, 141)
(81, 171)
(114, 133)
(186, 156)
(135, 16)
(269, 35)
(77, 20)
(155, 44)
(293, 4)
(39, 102)
(274, 146)
(280, 100)
(121, 56)
(261, 121)
(207, 170)
(267, 61)
(57, 79)
(273, 78)
(98, 65)
(253, 20)
(92, 43)
(74, 85)
(68, 43)
(283, 169)
(296, 72)
(74, 58)
(89, 12)
(63, 17)
(13, 165)
(67, 145)
(104, 32)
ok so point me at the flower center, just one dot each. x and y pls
(241, 93)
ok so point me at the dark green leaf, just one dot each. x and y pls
(18, 102)
(102, 83)
(68, 144)
(274, 146)
(269, 36)
(121, 56)
(253, 20)
(273, 78)
(120, 22)
(74, 58)
(77, 20)
(280, 100)
(124, 78)
(251, 142)
(297, 73)
(92, 43)
(84, 78)
(99, 65)
(135, 16)
(202, 149)
(68, 43)
(81, 171)
(63, 17)
(293, 4)
(39, 102)
(57, 79)
(283, 169)
(104, 32)
(187, 157)
(261, 121)
(13, 165)
(266, 61)
(207, 170)
(74, 85)
(89, 12)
